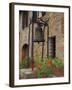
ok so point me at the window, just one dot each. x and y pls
(24, 19)
(34, 17)
(43, 13)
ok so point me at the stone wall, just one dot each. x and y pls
(56, 28)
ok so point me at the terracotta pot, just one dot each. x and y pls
(58, 72)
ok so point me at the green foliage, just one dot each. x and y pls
(45, 67)
(58, 63)
(42, 69)
(23, 64)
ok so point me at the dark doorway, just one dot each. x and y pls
(52, 46)
(25, 51)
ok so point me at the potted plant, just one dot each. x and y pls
(58, 68)
(43, 69)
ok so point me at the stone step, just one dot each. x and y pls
(26, 73)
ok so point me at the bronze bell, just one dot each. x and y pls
(39, 34)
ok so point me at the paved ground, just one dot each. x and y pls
(26, 73)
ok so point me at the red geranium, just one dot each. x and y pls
(49, 64)
(39, 66)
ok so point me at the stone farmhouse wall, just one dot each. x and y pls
(56, 28)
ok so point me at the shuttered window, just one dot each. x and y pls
(52, 46)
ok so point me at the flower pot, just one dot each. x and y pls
(58, 72)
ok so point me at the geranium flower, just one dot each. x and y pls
(39, 66)
(49, 64)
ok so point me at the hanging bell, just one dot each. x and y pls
(39, 34)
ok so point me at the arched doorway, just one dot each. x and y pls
(25, 51)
